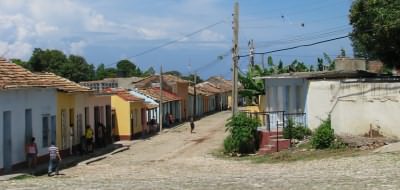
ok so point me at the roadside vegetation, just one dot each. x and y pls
(320, 144)
(243, 137)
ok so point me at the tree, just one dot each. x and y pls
(191, 78)
(47, 60)
(21, 63)
(175, 73)
(101, 72)
(77, 69)
(376, 29)
(149, 71)
(126, 68)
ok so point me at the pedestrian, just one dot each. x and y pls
(191, 125)
(55, 159)
(89, 138)
(31, 153)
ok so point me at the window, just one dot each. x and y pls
(45, 131)
(28, 125)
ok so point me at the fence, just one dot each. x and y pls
(278, 119)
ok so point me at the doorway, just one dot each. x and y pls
(28, 126)
(7, 145)
(132, 127)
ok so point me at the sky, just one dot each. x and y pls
(105, 31)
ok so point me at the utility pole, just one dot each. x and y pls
(195, 96)
(161, 99)
(235, 58)
(251, 53)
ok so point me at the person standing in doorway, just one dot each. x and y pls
(89, 138)
(55, 159)
(31, 152)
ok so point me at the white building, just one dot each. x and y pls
(357, 101)
(99, 85)
(26, 110)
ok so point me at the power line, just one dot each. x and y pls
(299, 46)
(298, 12)
(173, 41)
(177, 40)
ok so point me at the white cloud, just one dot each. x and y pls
(43, 29)
(16, 50)
(77, 48)
(208, 35)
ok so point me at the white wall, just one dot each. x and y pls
(276, 92)
(42, 102)
(320, 101)
(364, 105)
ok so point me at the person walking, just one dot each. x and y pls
(89, 138)
(191, 125)
(31, 153)
(55, 159)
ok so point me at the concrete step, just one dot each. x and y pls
(282, 143)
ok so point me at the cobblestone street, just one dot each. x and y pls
(177, 159)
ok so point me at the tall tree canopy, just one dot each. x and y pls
(126, 68)
(376, 30)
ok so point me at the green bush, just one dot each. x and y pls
(324, 135)
(295, 131)
(229, 145)
(243, 136)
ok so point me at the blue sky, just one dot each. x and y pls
(105, 31)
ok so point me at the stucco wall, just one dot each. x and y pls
(136, 110)
(65, 102)
(285, 95)
(320, 101)
(360, 106)
(90, 101)
(122, 110)
(41, 101)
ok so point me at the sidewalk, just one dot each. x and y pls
(73, 160)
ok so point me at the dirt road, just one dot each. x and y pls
(177, 159)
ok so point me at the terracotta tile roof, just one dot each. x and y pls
(61, 83)
(155, 93)
(122, 93)
(15, 76)
(209, 88)
(223, 84)
(168, 79)
(198, 91)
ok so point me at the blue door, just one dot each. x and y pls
(7, 156)
(28, 126)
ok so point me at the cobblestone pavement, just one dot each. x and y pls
(177, 159)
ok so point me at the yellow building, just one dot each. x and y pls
(130, 112)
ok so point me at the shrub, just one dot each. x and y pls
(295, 131)
(323, 136)
(243, 136)
(229, 145)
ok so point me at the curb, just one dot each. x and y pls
(96, 159)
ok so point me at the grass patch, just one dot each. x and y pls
(301, 153)
(306, 155)
(22, 177)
